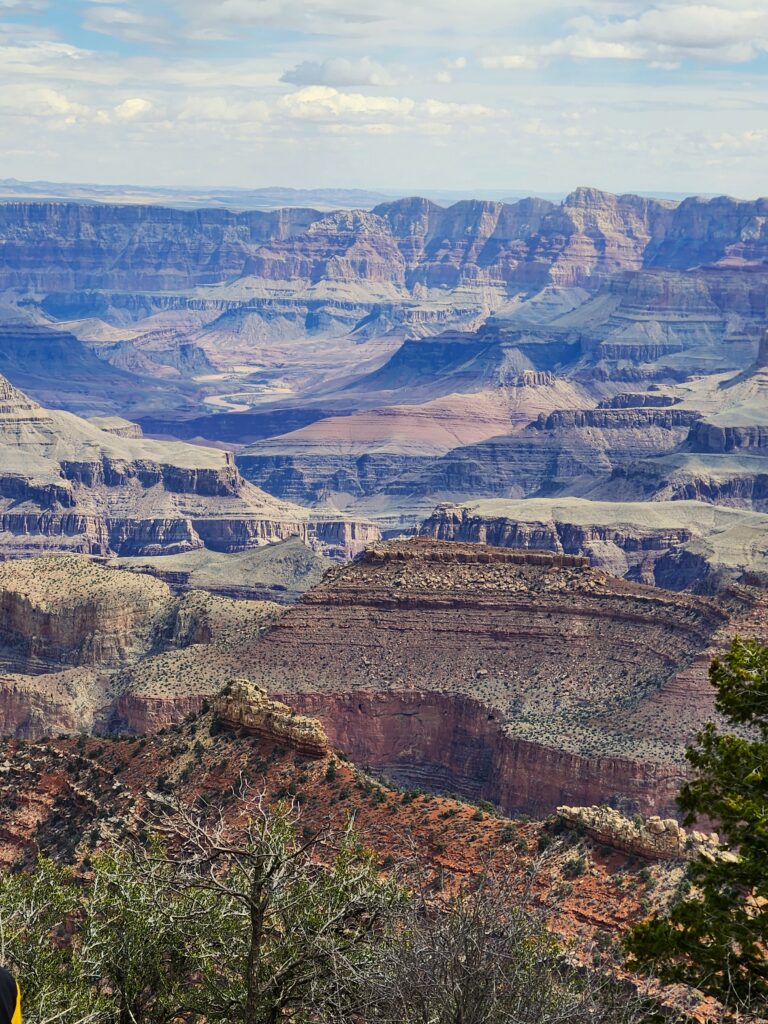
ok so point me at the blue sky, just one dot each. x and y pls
(541, 95)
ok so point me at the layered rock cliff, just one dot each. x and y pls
(67, 484)
(65, 609)
(510, 675)
(246, 707)
(674, 544)
(78, 640)
(50, 247)
(562, 452)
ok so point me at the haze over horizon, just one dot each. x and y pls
(625, 95)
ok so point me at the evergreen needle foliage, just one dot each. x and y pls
(716, 939)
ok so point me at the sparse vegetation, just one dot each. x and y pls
(716, 936)
(272, 922)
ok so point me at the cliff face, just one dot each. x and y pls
(63, 609)
(66, 246)
(674, 544)
(560, 451)
(67, 484)
(455, 744)
(82, 645)
(525, 677)
(61, 247)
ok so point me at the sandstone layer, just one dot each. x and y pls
(244, 706)
(76, 635)
(653, 838)
(527, 678)
(674, 544)
(66, 484)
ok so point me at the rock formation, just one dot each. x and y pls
(653, 838)
(66, 609)
(83, 646)
(526, 678)
(363, 453)
(675, 544)
(242, 705)
(276, 572)
(66, 484)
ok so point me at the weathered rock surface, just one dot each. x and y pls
(654, 838)
(66, 246)
(511, 675)
(674, 544)
(242, 705)
(67, 484)
(65, 609)
(362, 453)
(277, 572)
(77, 639)
(559, 453)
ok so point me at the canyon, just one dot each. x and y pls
(527, 678)
(219, 422)
(674, 544)
(369, 364)
(68, 797)
(68, 484)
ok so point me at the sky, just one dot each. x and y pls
(535, 95)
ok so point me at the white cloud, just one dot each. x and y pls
(42, 104)
(224, 110)
(131, 109)
(453, 111)
(339, 71)
(449, 67)
(124, 23)
(321, 103)
(508, 62)
(726, 31)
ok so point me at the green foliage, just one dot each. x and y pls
(143, 937)
(716, 937)
(34, 909)
(297, 936)
(264, 922)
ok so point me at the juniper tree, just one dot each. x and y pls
(716, 938)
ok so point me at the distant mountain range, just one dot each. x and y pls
(258, 198)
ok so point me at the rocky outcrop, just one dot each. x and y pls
(711, 437)
(516, 676)
(65, 609)
(654, 838)
(643, 400)
(67, 484)
(242, 705)
(562, 452)
(674, 544)
(118, 426)
(618, 418)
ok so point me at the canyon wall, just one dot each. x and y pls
(68, 247)
(524, 677)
